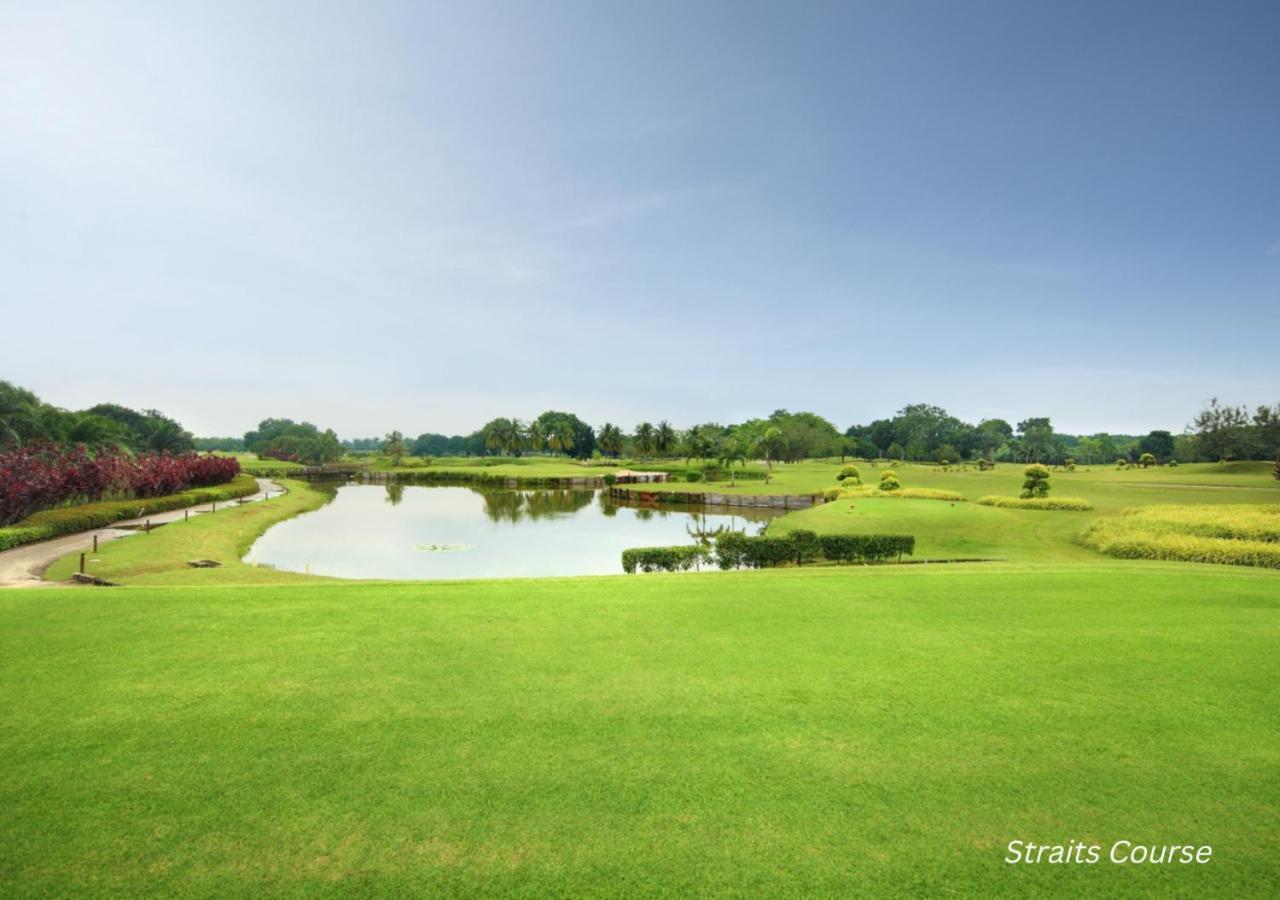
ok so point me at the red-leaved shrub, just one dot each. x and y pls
(45, 476)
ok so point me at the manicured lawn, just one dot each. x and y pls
(797, 732)
(1098, 484)
(946, 530)
(161, 557)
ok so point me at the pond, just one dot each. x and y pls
(400, 531)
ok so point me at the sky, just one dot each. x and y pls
(421, 215)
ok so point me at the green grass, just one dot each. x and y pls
(161, 556)
(253, 461)
(789, 733)
(946, 531)
(878, 731)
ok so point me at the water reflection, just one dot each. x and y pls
(412, 531)
(516, 506)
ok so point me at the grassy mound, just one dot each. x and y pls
(1073, 504)
(1234, 534)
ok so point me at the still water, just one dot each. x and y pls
(412, 531)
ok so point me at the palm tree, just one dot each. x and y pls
(536, 436)
(610, 439)
(513, 436)
(731, 451)
(644, 438)
(494, 434)
(664, 441)
(561, 439)
(698, 442)
(774, 444)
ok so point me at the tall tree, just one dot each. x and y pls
(1159, 444)
(645, 437)
(395, 448)
(536, 435)
(665, 438)
(1220, 430)
(1036, 438)
(610, 439)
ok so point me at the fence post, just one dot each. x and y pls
(186, 515)
(81, 563)
(95, 543)
(148, 526)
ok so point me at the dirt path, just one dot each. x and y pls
(23, 566)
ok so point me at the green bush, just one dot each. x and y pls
(1121, 463)
(610, 479)
(17, 535)
(1172, 463)
(831, 494)
(889, 481)
(1071, 504)
(663, 559)
(850, 476)
(735, 550)
(1035, 485)
(985, 464)
(70, 519)
(805, 546)
(1147, 460)
(849, 548)
(692, 475)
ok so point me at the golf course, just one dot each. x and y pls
(795, 731)
(641, 450)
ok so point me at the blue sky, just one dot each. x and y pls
(421, 216)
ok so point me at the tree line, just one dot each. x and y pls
(917, 432)
(25, 419)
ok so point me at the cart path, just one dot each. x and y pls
(24, 566)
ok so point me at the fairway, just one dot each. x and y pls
(791, 733)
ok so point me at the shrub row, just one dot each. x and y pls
(735, 550)
(69, 520)
(1073, 504)
(1116, 537)
(45, 476)
(663, 559)
(1238, 521)
(902, 494)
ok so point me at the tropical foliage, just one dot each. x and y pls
(44, 476)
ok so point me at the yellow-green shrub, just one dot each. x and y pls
(1235, 521)
(1234, 535)
(1071, 504)
(902, 494)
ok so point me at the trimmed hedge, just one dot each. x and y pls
(902, 494)
(663, 559)
(1071, 504)
(735, 550)
(55, 522)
